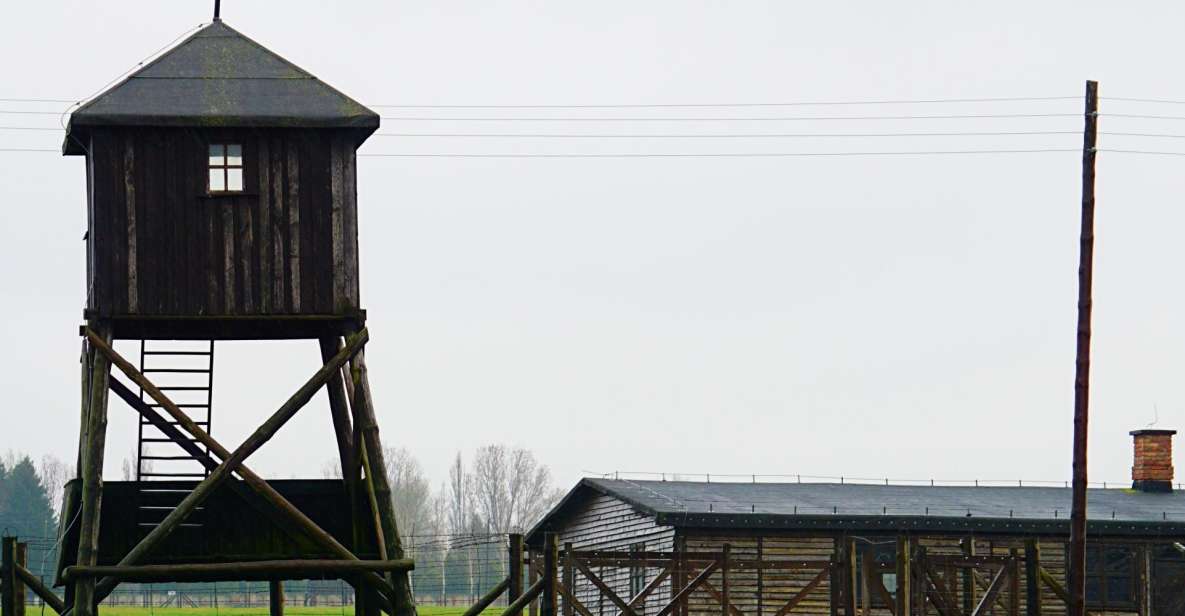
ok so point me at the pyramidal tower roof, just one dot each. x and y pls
(219, 77)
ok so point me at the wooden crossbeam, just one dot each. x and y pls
(252, 570)
(249, 496)
(651, 587)
(1057, 589)
(625, 608)
(985, 584)
(934, 582)
(687, 590)
(716, 594)
(41, 590)
(488, 599)
(232, 461)
(802, 594)
(536, 589)
(570, 599)
(993, 591)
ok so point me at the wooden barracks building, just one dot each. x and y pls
(851, 549)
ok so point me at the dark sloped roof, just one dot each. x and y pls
(218, 77)
(832, 506)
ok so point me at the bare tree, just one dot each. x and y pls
(331, 469)
(53, 476)
(511, 489)
(457, 497)
(410, 491)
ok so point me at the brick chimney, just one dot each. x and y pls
(1152, 470)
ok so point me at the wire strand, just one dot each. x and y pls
(747, 104)
(720, 135)
(726, 154)
(733, 119)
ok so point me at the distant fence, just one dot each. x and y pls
(452, 570)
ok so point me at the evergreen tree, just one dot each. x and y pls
(25, 510)
(3, 495)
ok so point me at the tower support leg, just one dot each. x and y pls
(275, 596)
(91, 449)
(366, 427)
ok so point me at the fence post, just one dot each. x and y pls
(569, 579)
(1013, 583)
(1033, 579)
(551, 549)
(514, 570)
(22, 559)
(904, 567)
(835, 577)
(532, 576)
(7, 576)
(724, 579)
(275, 598)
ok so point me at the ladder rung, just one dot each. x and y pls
(176, 353)
(187, 388)
(164, 440)
(144, 422)
(168, 458)
(178, 370)
(172, 474)
(181, 406)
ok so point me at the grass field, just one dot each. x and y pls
(424, 610)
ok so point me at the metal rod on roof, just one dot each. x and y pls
(217, 10)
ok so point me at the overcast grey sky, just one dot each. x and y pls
(907, 316)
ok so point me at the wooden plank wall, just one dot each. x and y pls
(160, 245)
(764, 593)
(609, 524)
(605, 523)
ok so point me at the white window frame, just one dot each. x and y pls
(218, 162)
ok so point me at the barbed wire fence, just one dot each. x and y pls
(452, 572)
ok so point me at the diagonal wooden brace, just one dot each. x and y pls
(274, 507)
(688, 589)
(651, 587)
(732, 609)
(993, 590)
(625, 608)
(233, 461)
(802, 594)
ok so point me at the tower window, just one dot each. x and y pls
(226, 167)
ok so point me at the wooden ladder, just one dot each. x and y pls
(185, 373)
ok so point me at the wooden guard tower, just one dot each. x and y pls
(221, 188)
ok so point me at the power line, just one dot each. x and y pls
(733, 119)
(924, 101)
(30, 128)
(36, 100)
(747, 104)
(1145, 117)
(1152, 153)
(1141, 100)
(679, 154)
(720, 135)
(728, 154)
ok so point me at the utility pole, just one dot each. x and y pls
(1077, 563)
